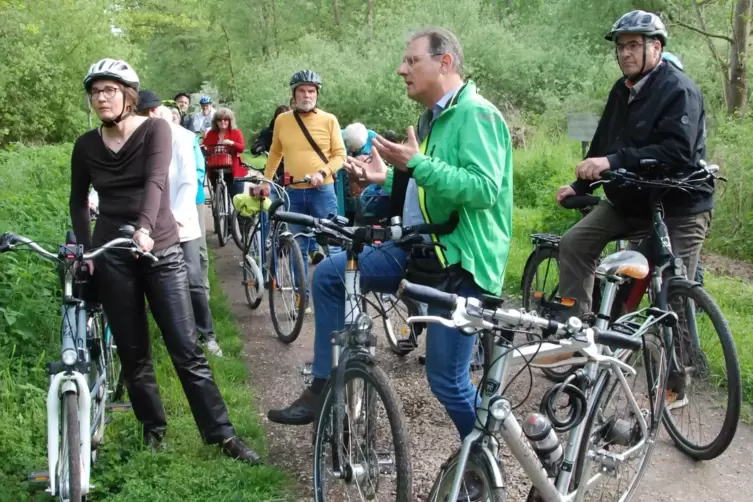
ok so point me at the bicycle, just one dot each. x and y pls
(80, 383)
(272, 260)
(219, 163)
(546, 251)
(558, 474)
(353, 359)
(669, 288)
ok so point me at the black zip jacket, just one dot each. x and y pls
(666, 122)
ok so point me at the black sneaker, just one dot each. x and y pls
(234, 447)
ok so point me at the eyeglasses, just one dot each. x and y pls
(412, 60)
(107, 92)
(630, 47)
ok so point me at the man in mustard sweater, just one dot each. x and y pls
(310, 141)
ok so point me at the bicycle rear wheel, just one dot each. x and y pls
(540, 285)
(371, 472)
(287, 304)
(707, 383)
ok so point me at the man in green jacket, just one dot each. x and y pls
(460, 161)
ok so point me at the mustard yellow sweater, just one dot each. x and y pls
(300, 158)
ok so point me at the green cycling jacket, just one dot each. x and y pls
(466, 166)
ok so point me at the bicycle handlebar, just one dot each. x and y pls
(9, 240)
(367, 234)
(469, 313)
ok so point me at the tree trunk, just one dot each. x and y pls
(370, 16)
(737, 80)
(336, 11)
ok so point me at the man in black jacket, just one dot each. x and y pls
(654, 112)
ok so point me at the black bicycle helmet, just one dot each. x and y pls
(639, 22)
(305, 77)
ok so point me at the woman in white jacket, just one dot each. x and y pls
(184, 183)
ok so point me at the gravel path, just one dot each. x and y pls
(275, 376)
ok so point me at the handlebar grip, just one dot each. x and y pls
(6, 240)
(580, 201)
(426, 294)
(615, 340)
(648, 162)
(295, 218)
(150, 256)
(436, 228)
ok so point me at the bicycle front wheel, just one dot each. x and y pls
(355, 461)
(612, 426)
(222, 215)
(253, 277)
(477, 468)
(703, 407)
(71, 452)
(287, 296)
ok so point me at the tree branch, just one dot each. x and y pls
(702, 32)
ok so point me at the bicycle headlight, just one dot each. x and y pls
(364, 323)
(499, 408)
(69, 357)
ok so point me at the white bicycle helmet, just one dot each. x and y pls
(111, 69)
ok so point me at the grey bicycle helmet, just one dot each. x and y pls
(111, 69)
(305, 77)
(639, 22)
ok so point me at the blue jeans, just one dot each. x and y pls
(448, 352)
(317, 202)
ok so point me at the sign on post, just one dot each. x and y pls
(581, 127)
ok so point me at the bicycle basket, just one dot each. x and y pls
(219, 156)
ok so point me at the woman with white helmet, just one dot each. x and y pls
(127, 161)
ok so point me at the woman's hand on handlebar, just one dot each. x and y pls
(591, 168)
(564, 192)
(143, 241)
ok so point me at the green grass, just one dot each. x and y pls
(33, 201)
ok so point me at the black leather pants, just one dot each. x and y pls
(122, 282)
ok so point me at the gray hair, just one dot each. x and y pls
(442, 41)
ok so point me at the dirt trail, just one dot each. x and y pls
(275, 376)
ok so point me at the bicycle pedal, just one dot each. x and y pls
(39, 477)
(306, 369)
(422, 360)
(118, 407)
(406, 345)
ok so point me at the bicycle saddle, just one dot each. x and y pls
(625, 264)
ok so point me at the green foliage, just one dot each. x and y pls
(34, 187)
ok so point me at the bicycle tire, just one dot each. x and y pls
(223, 216)
(251, 270)
(718, 445)
(298, 275)
(537, 257)
(476, 463)
(115, 383)
(389, 330)
(380, 383)
(603, 389)
(73, 453)
(236, 232)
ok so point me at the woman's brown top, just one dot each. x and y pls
(132, 185)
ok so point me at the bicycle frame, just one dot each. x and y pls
(495, 411)
(72, 378)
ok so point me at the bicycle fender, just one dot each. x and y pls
(497, 477)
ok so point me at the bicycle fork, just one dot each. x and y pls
(61, 384)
